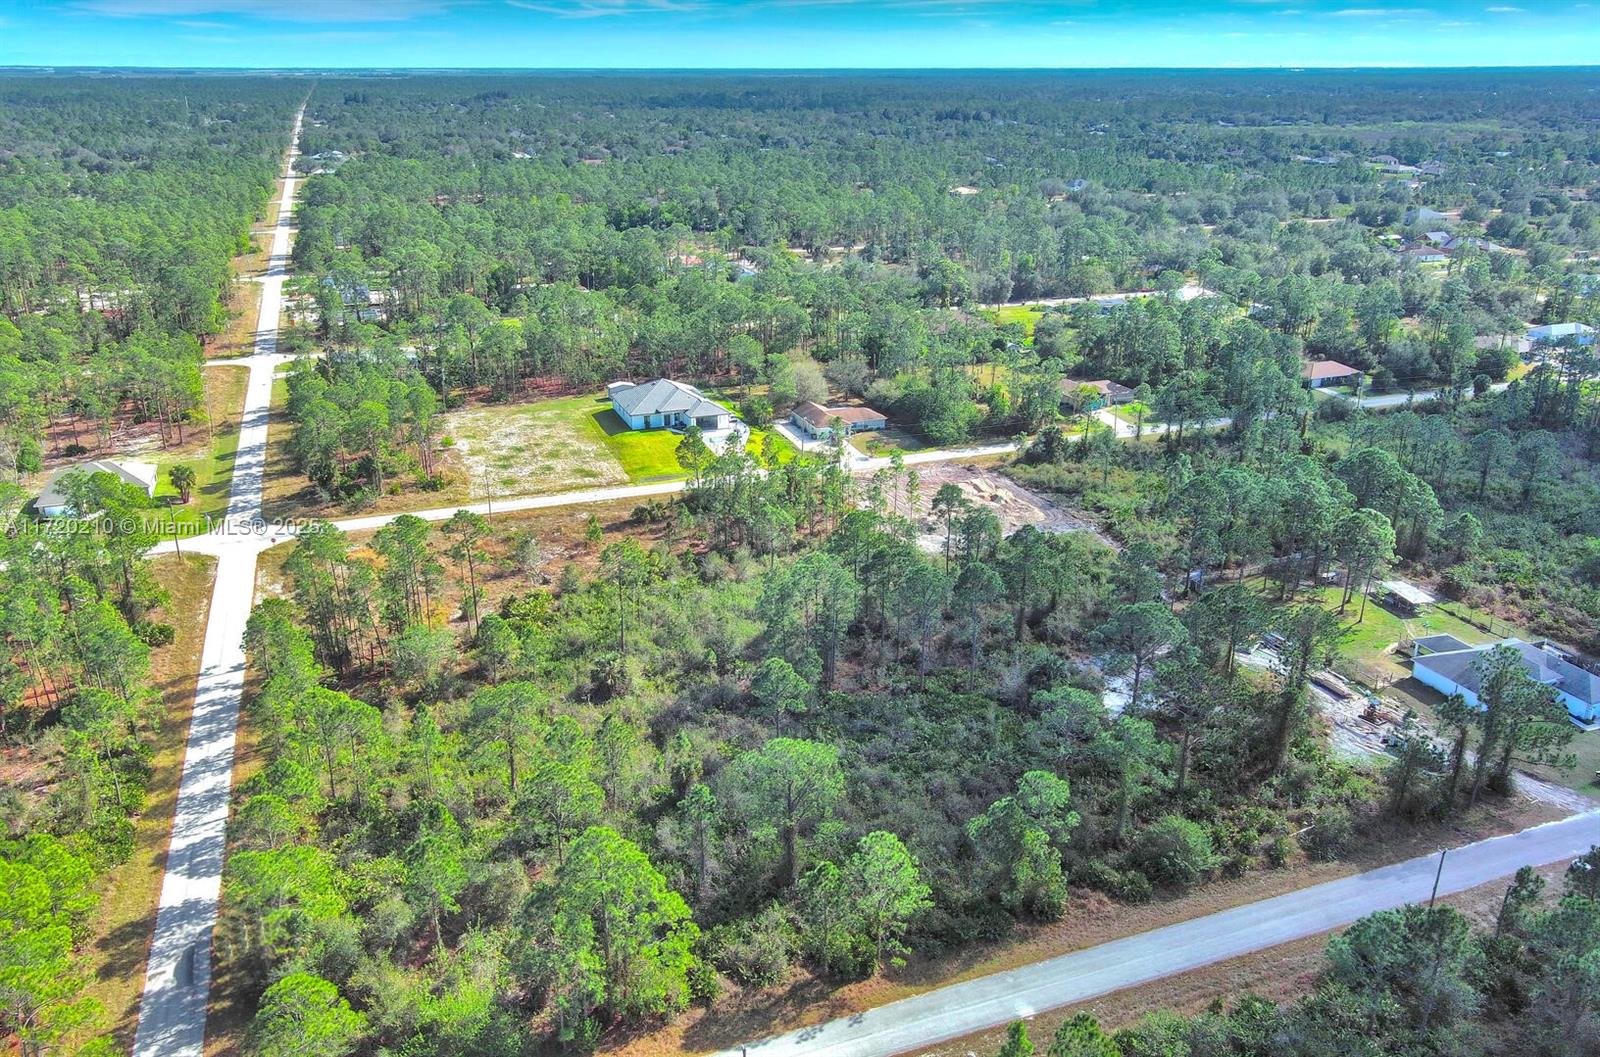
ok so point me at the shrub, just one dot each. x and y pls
(1330, 836)
(153, 634)
(1173, 851)
(757, 951)
(1134, 887)
(757, 412)
(1279, 851)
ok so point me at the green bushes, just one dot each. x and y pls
(1174, 851)
(1330, 834)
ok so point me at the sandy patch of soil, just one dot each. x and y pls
(1013, 504)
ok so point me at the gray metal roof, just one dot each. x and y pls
(1461, 668)
(663, 396)
(1441, 643)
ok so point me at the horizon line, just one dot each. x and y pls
(1281, 68)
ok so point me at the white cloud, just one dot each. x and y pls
(275, 10)
(1378, 12)
(1503, 9)
(604, 8)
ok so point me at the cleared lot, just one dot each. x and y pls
(1013, 504)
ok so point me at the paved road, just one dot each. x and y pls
(988, 1001)
(172, 1011)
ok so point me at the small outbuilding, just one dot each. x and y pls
(1407, 599)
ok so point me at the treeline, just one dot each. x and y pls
(520, 228)
(122, 203)
(78, 711)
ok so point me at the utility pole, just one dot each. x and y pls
(1437, 875)
(1438, 951)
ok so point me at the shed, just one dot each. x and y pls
(1407, 598)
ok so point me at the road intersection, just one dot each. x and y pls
(172, 1009)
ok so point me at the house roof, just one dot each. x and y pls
(1544, 665)
(1417, 596)
(1440, 644)
(128, 471)
(1555, 331)
(1104, 386)
(1317, 369)
(819, 416)
(663, 396)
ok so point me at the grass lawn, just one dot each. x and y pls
(1367, 653)
(1027, 315)
(115, 953)
(1121, 413)
(756, 445)
(644, 454)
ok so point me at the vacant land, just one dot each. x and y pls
(126, 917)
(1009, 501)
(211, 451)
(1027, 315)
(527, 449)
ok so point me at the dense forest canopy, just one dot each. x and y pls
(527, 787)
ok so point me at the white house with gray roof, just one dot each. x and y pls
(1457, 671)
(666, 404)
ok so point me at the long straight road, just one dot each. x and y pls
(988, 1001)
(172, 1010)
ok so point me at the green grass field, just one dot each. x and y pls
(1027, 315)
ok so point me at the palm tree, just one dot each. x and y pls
(182, 478)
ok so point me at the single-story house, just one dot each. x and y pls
(1318, 373)
(1424, 216)
(1438, 238)
(1424, 254)
(1551, 333)
(664, 403)
(1459, 672)
(817, 421)
(55, 501)
(1496, 341)
(1462, 242)
(1108, 392)
(1407, 599)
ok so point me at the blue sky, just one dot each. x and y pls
(798, 33)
